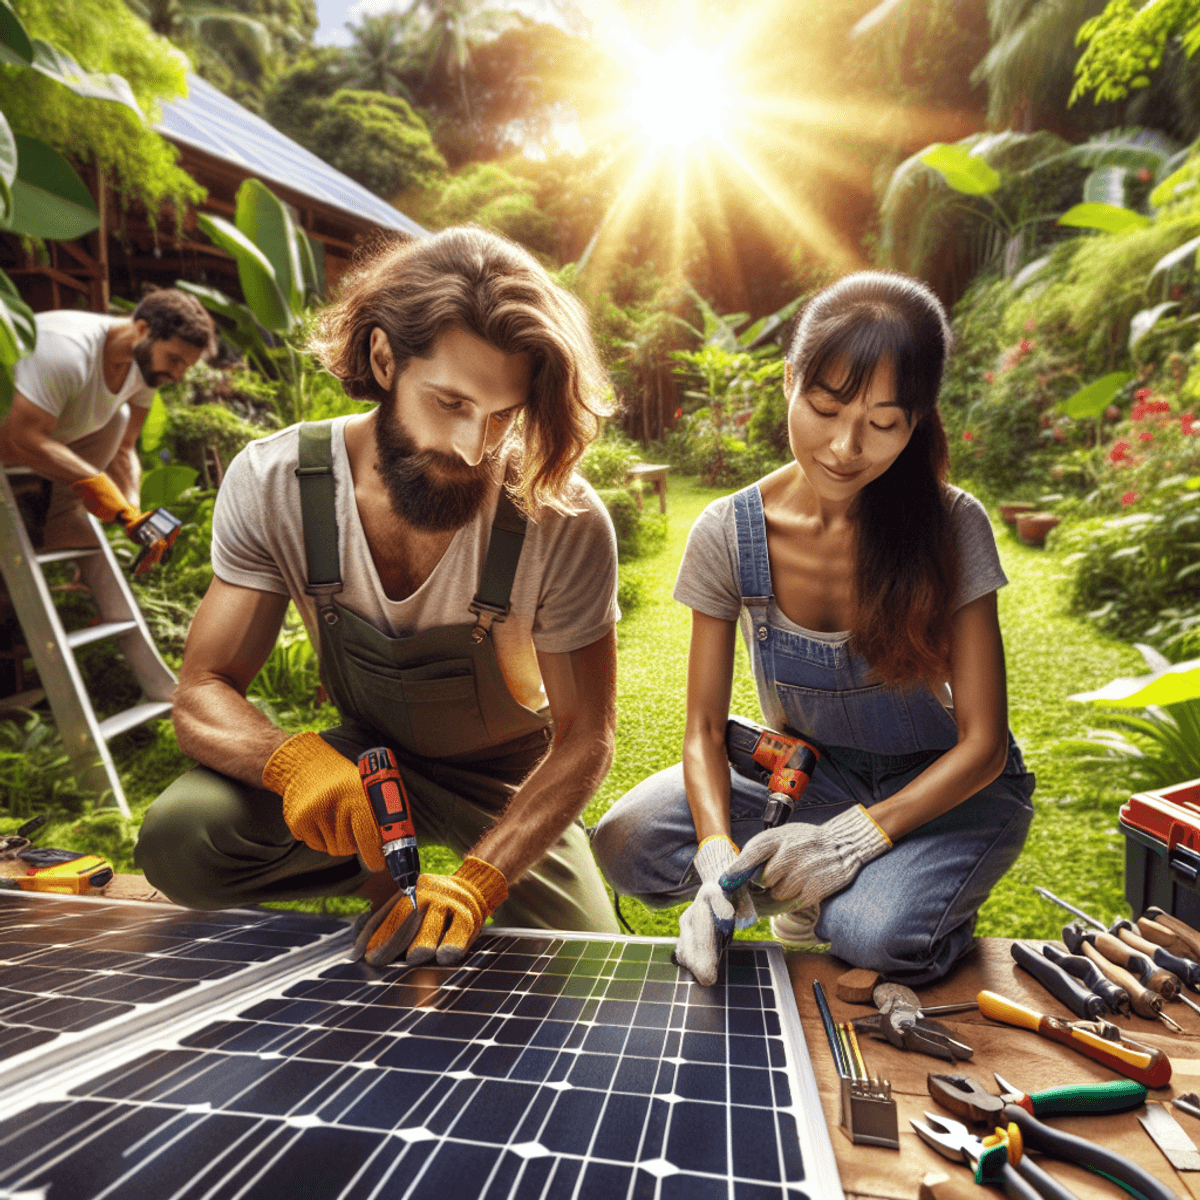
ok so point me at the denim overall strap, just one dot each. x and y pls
(754, 565)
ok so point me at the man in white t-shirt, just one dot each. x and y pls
(459, 582)
(81, 400)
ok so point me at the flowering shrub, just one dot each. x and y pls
(1155, 447)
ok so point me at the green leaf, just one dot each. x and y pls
(963, 171)
(18, 330)
(255, 273)
(1144, 321)
(1172, 685)
(1109, 218)
(262, 217)
(58, 65)
(1105, 185)
(155, 425)
(1092, 400)
(164, 485)
(8, 167)
(16, 50)
(1178, 256)
(246, 335)
(49, 199)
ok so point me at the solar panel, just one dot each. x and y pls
(85, 966)
(546, 1065)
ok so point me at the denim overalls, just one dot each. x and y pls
(910, 913)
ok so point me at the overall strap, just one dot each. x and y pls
(754, 566)
(315, 472)
(491, 601)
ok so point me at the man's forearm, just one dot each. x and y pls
(221, 729)
(546, 803)
(49, 458)
(125, 471)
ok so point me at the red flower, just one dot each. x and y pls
(1145, 436)
(1142, 394)
(989, 377)
(1139, 410)
(1027, 345)
(968, 436)
(678, 413)
(1144, 175)
(1158, 406)
(1129, 498)
(1119, 452)
(1185, 422)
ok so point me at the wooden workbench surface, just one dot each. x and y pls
(1023, 1058)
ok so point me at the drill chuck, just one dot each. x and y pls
(783, 763)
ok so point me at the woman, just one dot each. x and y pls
(865, 587)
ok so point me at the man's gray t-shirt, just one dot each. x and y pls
(564, 596)
(64, 376)
(710, 582)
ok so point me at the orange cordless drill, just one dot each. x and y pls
(389, 802)
(783, 762)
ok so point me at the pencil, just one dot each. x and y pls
(830, 1035)
(845, 1041)
(862, 1066)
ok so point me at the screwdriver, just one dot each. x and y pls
(389, 803)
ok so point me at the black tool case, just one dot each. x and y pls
(1162, 851)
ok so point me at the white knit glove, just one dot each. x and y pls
(806, 863)
(710, 919)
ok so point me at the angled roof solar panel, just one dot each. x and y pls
(210, 121)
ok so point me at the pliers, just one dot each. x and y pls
(1023, 1131)
(907, 1029)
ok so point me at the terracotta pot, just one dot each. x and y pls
(1032, 527)
(1010, 511)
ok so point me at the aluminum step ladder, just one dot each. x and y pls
(52, 648)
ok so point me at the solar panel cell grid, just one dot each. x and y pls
(541, 1067)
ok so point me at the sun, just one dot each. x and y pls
(682, 97)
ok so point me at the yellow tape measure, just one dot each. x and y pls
(69, 878)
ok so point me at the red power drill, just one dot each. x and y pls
(389, 802)
(783, 762)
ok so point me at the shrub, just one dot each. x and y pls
(606, 463)
(35, 772)
(697, 447)
(638, 530)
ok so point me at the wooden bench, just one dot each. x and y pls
(655, 473)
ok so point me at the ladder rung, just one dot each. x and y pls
(137, 715)
(94, 633)
(63, 555)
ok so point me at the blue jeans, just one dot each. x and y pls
(909, 914)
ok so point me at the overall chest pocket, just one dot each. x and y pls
(432, 709)
(878, 719)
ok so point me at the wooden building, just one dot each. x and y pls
(221, 144)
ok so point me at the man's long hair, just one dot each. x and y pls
(906, 557)
(469, 278)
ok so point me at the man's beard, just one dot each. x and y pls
(430, 490)
(143, 355)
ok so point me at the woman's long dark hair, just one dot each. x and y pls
(906, 560)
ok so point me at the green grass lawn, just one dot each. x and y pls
(1074, 846)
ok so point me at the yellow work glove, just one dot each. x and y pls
(324, 802)
(450, 912)
(105, 501)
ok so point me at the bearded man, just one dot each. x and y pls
(459, 582)
(82, 397)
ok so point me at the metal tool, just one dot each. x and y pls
(989, 1159)
(1095, 1039)
(1183, 931)
(389, 803)
(1143, 1001)
(1117, 1095)
(1115, 998)
(1170, 1138)
(784, 763)
(1037, 1136)
(906, 1029)
(868, 1107)
(1185, 969)
(1189, 1103)
(156, 532)
(1081, 1001)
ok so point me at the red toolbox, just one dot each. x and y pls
(1162, 851)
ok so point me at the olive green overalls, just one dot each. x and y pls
(437, 698)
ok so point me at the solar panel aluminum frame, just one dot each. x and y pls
(116, 1037)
